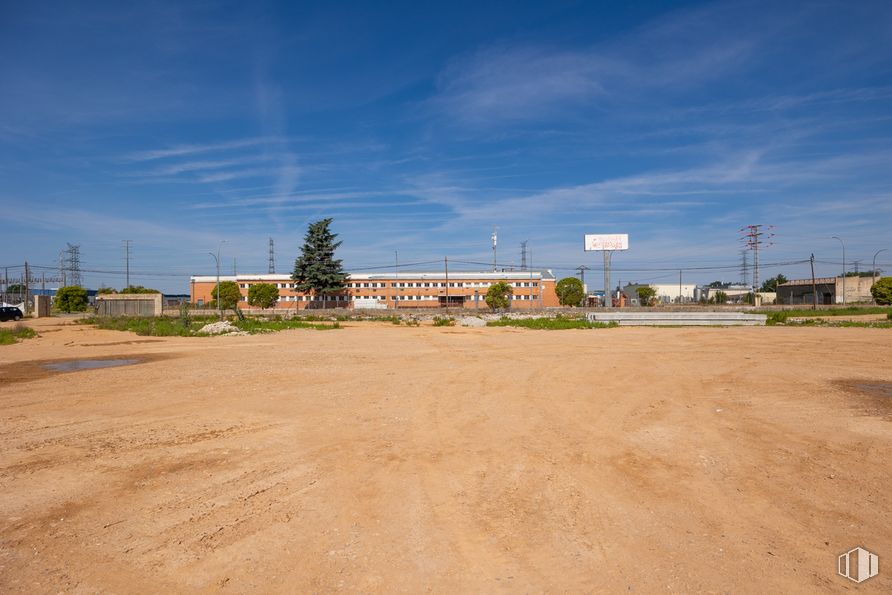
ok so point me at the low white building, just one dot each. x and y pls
(667, 293)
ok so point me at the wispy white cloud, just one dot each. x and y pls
(193, 149)
(519, 81)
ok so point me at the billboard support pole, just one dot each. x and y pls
(606, 243)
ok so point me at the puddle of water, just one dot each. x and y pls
(874, 389)
(88, 364)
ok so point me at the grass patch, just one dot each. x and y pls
(150, 327)
(550, 324)
(780, 317)
(18, 332)
(257, 325)
(444, 321)
(840, 323)
(179, 327)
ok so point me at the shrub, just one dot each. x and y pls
(185, 318)
(499, 295)
(646, 295)
(71, 299)
(138, 289)
(882, 291)
(263, 295)
(229, 295)
(444, 321)
(570, 291)
(8, 336)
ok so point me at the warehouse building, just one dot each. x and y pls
(829, 290)
(666, 293)
(531, 289)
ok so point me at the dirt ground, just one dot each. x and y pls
(391, 459)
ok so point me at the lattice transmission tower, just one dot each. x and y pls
(272, 257)
(756, 238)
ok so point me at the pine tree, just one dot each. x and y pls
(316, 270)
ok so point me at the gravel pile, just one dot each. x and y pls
(471, 321)
(219, 328)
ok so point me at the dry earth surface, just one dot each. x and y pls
(390, 459)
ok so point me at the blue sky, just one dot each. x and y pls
(421, 127)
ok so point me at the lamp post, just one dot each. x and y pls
(874, 266)
(843, 268)
(217, 260)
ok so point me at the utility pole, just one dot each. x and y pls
(217, 260)
(396, 274)
(272, 257)
(446, 267)
(27, 287)
(679, 286)
(127, 260)
(523, 255)
(814, 285)
(874, 267)
(495, 237)
(234, 270)
(843, 268)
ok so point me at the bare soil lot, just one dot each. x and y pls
(378, 458)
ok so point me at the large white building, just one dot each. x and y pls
(667, 293)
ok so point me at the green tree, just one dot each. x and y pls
(646, 295)
(882, 291)
(16, 288)
(770, 285)
(106, 291)
(229, 295)
(721, 297)
(71, 298)
(498, 296)
(570, 291)
(139, 289)
(263, 295)
(716, 284)
(316, 270)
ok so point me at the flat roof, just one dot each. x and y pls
(818, 280)
(458, 275)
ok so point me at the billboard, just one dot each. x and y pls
(611, 241)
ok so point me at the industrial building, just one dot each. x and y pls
(531, 289)
(666, 293)
(829, 290)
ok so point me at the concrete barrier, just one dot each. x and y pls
(679, 318)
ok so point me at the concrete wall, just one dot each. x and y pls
(129, 304)
(41, 306)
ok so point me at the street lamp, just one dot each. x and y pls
(874, 267)
(843, 268)
(217, 260)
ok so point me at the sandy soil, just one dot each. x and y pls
(380, 458)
